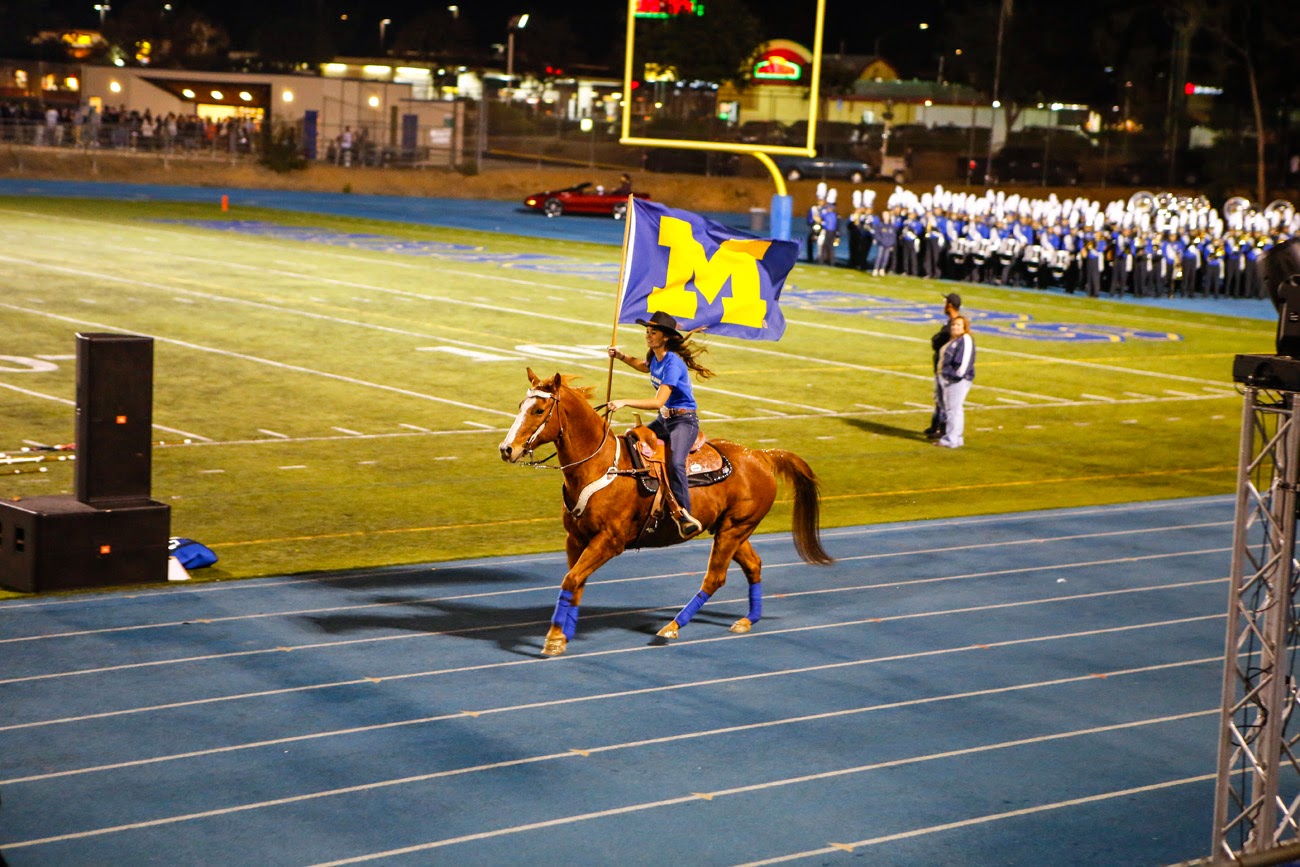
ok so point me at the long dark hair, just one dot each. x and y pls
(689, 351)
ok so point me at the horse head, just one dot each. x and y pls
(537, 422)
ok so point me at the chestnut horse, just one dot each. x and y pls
(610, 511)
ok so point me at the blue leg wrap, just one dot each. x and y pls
(566, 615)
(684, 616)
(755, 602)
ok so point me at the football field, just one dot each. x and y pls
(329, 392)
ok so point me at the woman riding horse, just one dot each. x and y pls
(669, 362)
(606, 510)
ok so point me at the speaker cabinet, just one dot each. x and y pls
(114, 418)
(60, 543)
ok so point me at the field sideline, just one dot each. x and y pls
(344, 383)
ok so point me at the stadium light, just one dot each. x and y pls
(518, 22)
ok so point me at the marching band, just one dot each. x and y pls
(1152, 245)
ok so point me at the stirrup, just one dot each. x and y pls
(688, 525)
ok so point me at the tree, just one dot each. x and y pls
(1258, 43)
(717, 46)
(433, 32)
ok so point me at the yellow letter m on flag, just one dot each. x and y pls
(735, 261)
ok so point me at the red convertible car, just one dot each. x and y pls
(582, 198)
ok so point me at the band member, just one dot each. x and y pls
(815, 228)
(830, 229)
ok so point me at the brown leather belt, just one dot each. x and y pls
(668, 412)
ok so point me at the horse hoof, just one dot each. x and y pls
(669, 631)
(742, 625)
(554, 646)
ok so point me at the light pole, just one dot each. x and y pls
(102, 9)
(383, 26)
(518, 22)
(1003, 13)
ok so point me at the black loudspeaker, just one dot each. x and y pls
(1288, 316)
(1278, 265)
(114, 418)
(58, 543)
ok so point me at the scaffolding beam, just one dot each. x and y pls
(1257, 788)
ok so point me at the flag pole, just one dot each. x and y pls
(618, 303)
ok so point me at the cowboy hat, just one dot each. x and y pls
(663, 322)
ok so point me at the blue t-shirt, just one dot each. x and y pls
(672, 371)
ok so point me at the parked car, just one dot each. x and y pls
(584, 198)
(762, 132)
(852, 169)
(691, 161)
(824, 167)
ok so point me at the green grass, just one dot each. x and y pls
(300, 338)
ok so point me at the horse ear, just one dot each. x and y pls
(556, 382)
(532, 377)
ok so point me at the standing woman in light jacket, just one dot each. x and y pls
(955, 374)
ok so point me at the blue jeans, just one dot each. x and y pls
(679, 432)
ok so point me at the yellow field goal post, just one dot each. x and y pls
(781, 203)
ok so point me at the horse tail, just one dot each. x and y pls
(807, 505)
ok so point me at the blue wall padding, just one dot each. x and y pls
(755, 602)
(684, 616)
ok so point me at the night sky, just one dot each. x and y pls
(851, 25)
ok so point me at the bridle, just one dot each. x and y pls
(531, 442)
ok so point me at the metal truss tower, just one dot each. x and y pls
(1257, 791)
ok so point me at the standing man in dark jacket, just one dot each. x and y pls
(951, 309)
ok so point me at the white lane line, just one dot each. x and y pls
(272, 433)
(66, 402)
(695, 797)
(295, 467)
(414, 427)
(480, 425)
(280, 308)
(1029, 356)
(1033, 542)
(1011, 401)
(351, 433)
(180, 432)
(1097, 397)
(30, 393)
(697, 684)
(981, 820)
(296, 368)
(327, 645)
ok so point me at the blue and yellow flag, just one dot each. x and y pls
(703, 274)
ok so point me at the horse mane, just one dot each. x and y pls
(586, 391)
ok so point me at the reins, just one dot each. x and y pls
(529, 443)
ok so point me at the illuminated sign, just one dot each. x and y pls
(1201, 90)
(655, 72)
(778, 68)
(780, 62)
(668, 8)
